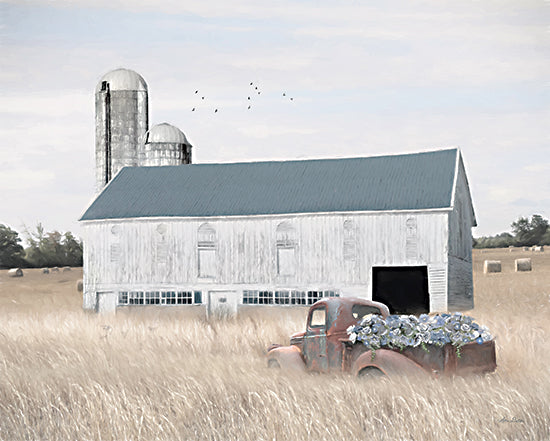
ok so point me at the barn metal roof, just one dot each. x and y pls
(399, 182)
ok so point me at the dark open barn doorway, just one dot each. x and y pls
(404, 289)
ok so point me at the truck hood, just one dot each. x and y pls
(297, 338)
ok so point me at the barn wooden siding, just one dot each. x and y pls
(461, 221)
(332, 251)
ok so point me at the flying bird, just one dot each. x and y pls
(193, 109)
(251, 84)
(216, 111)
(196, 91)
(202, 97)
(284, 94)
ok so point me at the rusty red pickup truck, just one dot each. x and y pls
(326, 346)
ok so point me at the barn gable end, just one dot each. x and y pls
(461, 220)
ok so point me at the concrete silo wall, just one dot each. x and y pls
(121, 122)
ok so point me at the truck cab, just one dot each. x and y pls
(321, 345)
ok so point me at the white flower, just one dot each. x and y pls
(353, 337)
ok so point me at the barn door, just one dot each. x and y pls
(403, 289)
(222, 304)
(106, 302)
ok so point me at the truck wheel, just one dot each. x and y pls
(371, 372)
(273, 364)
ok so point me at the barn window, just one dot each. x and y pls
(135, 298)
(184, 298)
(282, 297)
(313, 296)
(250, 297)
(162, 244)
(152, 298)
(265, 297)
(350, 241)
(286, 249)
(115, 252)
(297, 298)
(169, 298)
(115, 249)
(123, 298)
(207, 245)
(198, 297)
(411, 243)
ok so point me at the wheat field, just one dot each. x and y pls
(168, 374)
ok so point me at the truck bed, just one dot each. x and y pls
(441, 360)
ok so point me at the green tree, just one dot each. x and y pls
(72, 249)
(530, 232)
(35, 252)
(53, 248)
(502, 240)
(11, 252)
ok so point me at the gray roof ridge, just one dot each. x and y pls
(300, 160)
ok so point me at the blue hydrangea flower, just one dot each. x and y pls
(409, 331)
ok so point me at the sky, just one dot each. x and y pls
(365, 77)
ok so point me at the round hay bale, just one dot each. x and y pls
(45, 270)
(523, 265)
(79, 285)
(15, 272)
(492, 266)
(66, 268)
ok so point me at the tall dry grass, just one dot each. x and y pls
(152, 374)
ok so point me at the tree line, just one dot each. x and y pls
(525, 233)
(49, 249)
(45, 249)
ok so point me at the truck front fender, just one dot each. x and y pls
(287, 358)
(388, 362)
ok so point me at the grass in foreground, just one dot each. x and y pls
(155, 374)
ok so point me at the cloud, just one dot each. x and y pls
(368, 79)
(45, 104)
(262, 131)
(24, 179)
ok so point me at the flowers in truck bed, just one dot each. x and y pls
(401, 331)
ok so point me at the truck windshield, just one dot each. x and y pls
(359, 312)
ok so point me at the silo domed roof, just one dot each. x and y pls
(123, 79)
(165, 132)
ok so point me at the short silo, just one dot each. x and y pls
(164, 144)
(122, 120)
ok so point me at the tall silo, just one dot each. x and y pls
(164, 144)
(121, 106)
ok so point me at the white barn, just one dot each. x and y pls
(396, 229)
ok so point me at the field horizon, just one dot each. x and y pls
(167, 373)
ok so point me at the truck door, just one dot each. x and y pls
(315, 339)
